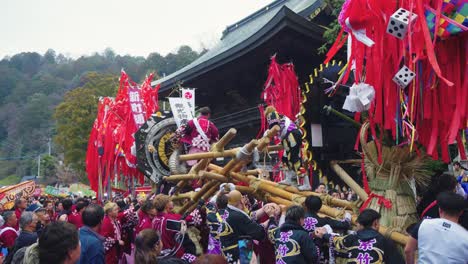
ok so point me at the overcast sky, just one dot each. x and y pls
(135, 27)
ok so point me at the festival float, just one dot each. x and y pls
(403, 88)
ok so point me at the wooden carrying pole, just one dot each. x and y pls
(349, 181)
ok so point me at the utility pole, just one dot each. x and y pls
(39, 166)
(50, 146)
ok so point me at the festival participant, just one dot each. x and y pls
(198, 134)
(291, 138)
(58, 210)
(440, 240)
(75, 217)
(312, 219)
(236, 226)
(8, 233)
(20, 205)
(148, 246)
(145, 216)
(214, 220)
(128, 220)
(111, 230)
(184, 249)
(292, 242)
(321, 188)
(366, 246)
(92, 243)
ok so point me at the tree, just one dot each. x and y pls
(332, 30)
(49, 56)
(76, 114)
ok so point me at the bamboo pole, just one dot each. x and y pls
(230, 134)
(181, 177)
(212, 176)
(349, 181)
(209, 155)
(181, 196)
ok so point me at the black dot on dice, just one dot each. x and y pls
(412, 74)
(405, 19)
(399, 76)
(397, 16)
(402, 10)
(400, 13)
(399, 35)
(392, 22)
(395, 28)
(401, 26)
(406, 69)
(406, 75)
(405, 80)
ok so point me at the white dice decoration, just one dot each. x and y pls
(403, 77)
(399, 21)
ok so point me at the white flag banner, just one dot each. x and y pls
(189, 96)
(180, 110)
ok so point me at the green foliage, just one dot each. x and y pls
(76, 113)
(9, 180)
(35, 87)
(334, 27)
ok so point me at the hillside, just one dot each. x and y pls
(33, 85)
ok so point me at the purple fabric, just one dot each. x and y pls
(214, 246)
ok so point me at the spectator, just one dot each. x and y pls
(237, 225)
(44, 220)
(8, 233)
(334, 194)
(292, 243)
(58, 210)
(210, 259)
(92, 243)
(75, 217)
(58, 244)
(49, 206)
(441, 240)
(20, 205)
(111, 230)
(366, 245)
(214, 221)
(321, 189)
(67, 210)
(27, 235)
(148, 246)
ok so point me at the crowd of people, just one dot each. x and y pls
(230, 228)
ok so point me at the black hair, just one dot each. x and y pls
(459, 165)
(67, 204)
(55, 242)
(367, 217)
(332, 191)
(147, 205)
(92, 215)
(80, 205)
(122, 205)
(205, 110)
(145, 242)
(222, 201)
(451, 203)
(442, 182)
(313, 203)
(295, 213)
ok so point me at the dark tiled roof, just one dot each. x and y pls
(238, 36)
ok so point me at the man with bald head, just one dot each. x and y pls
(237, 225)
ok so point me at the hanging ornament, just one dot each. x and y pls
(360, 97)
